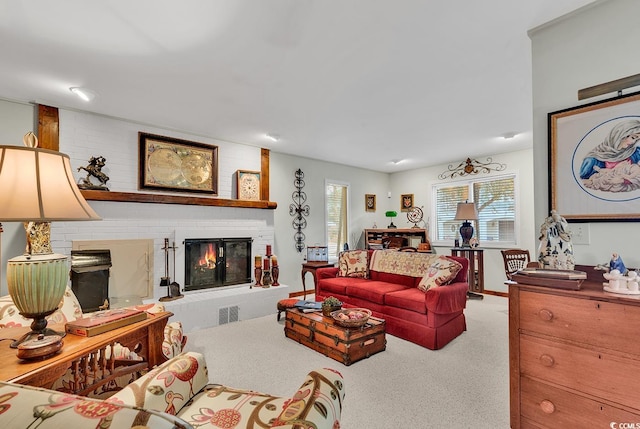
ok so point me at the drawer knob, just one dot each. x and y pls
(545, 314)
(547, 407)
(547, 360)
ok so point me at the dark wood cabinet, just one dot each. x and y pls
(374, 238)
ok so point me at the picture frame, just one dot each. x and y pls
(406, 202)
(248, 185)
(173, 164)
(594, 156)
(370, 202)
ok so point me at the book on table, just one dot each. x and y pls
(308, 305)
(104, 321)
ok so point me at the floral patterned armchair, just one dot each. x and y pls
(176, 394)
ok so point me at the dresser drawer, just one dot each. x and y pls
(553, 408)
(599, 374)
(608, 325)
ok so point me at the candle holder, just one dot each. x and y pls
(258, 274)
(266, 278)
(275, 273)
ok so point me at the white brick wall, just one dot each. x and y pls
(83, 135)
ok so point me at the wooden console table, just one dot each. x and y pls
(311, 267)
(83, 355)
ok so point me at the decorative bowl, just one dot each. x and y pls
(351, 317)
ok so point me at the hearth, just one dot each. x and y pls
(216, 262)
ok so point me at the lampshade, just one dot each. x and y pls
(37, 187)
(466, 211)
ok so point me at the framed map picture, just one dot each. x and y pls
(177, 165)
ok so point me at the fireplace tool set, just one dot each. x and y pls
(173, 288)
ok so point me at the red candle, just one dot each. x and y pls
(258, 261)
(268, 250)
(266, 264)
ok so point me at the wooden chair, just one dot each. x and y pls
(514, 260)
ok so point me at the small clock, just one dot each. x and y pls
(248, 185)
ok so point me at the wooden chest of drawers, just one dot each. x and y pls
(574, 357)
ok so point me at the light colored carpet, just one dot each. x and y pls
(464, 385)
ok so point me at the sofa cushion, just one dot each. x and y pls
(409, 299)
(441, 272)
(353, 263)
(338, 285)
(372, 291)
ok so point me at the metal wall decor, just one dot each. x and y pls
(299, 209)
(471, 166)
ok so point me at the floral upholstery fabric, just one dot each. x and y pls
(413, 264)
(353, 263)
(180, 387)
(176, 395)
(68, 311)
(441, 272)
(31, 407)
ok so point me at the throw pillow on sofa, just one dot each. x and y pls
(353, 263)
(441, 272)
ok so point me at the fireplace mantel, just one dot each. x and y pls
(140, 197)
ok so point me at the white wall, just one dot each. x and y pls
(419, 183)
(360, 182)
(594, 45)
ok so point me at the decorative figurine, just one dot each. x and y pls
(555, 250)
(616, 264)
(94, 169)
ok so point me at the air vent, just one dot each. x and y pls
(228, 314)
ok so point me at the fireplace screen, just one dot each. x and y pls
(211, 263)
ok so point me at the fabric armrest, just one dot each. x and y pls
(317, 404)
(447, 299)
(167, 387)
(327, 273)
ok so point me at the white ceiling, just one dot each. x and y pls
(358, 82)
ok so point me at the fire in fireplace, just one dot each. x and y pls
(216, 262)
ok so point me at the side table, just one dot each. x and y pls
(475, 256)
(312, 267)
(86, 356)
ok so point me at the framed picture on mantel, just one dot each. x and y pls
(177, 165)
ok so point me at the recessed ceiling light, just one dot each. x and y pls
(84, 93)
(396, 161)
(273, 137)
(509, 135)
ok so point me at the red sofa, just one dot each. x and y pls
(431, 319)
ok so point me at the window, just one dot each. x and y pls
(496, 203)
(337, 220)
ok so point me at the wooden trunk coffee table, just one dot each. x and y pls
(322, 334)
